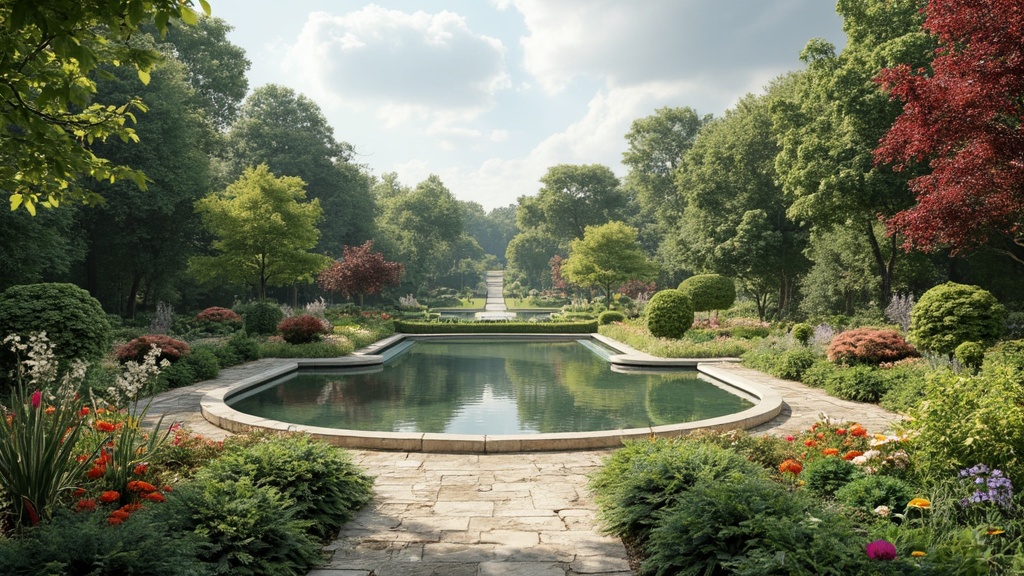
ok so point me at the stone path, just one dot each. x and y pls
(489, 514)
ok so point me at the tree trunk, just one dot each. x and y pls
(885, 267)
(133, 295)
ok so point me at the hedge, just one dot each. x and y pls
(406, 327)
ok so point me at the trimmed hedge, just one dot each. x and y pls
(709, 292)
(406, 327)
(669, 314)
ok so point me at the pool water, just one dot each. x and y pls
(483, 386)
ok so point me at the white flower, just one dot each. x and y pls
(860, 460)
(882, 510)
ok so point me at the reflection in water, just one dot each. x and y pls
(490, 387)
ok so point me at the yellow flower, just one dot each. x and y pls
(917, 554)
(994, 531)
(919, 503)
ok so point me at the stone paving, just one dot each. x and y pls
(524, 514)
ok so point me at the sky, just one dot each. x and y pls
(489, 94)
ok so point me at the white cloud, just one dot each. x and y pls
(402, 66)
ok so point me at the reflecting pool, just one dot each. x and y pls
(489, 386)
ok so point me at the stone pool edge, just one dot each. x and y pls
(215, 410)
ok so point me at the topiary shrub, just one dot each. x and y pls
(611, 316)
(669, 314)
(803, 333)
(970, 355)
(74, 321)
(326, 487)
(950, 314)
(824, 476)
(135, 350)
(870, 492)
(301, 329)
(261, 318)
(709, 292)
(869, 346)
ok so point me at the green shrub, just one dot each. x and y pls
(788, 364)
(641, 339)
(709, 292)
(966, 419)
(871, 491)
(326, 487)
(860, 383)
(970, 355)
(823, 476)
(644, 477)
(261, 318)
(84, 544)
(407, 327)
(906, 385)
(329, 349)
(73, 320)
(204, 363)
(610, 316)
(744, 332)
(247, 529)
(177, 375)
(950, 314)
(803, 333)
(669, 314)
(226, 356)
(869, 346)
(244, 347)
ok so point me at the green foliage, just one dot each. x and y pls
(75, 544)
(685, 347)
(330, 349)
(802, 333)
(607, 256)
(950, 314)
(1009, 354)
(861, 383)
(709, 292)
(261, 318)
(823, 476)
(203, 362)
(871, 491)
(301, 329)
(970, 355)
(788, 363)
(409, 327)
(246, 529)
(647, 476)
(177, 375)
(967, 419)
(669, 314)
(73, 320)
(244, 347)
(610, 316)
(572, 198)
(906, 386)
(326, 487)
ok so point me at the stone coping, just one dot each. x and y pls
(769, 404)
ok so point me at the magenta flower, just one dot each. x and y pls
(881, 550)
(37, 399)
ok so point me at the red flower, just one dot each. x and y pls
(140, 469)
(110, 496)
(154, 496)
(37, 399)
(104, 426)
(858, 430)
(81, 457)
(87, 505)
(810, 443)
(97, 471)
(790, 465)
(84, 411)
(167, 488)
(852, 454)
(78, 492)
(116, 517)
(841, 432)
(140, 486)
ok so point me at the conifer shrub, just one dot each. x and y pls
(669, 314)
(301, 329)
(874, 490)
(869, 346)
(136, 349)
(74, 321)
(803, 333)
(610, 316)
(709, 292)
(824, 476)
(261, 318)
(950, 314)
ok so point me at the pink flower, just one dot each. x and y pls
(37, 399)
(881, 550)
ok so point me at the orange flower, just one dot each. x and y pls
(790, 465)
(858, 430)
(87, 505)
(140, 469)
(830, 452)
(918, 554)
(167, 488)
(810, 443)
(140, 486)
(919, 503)
(50, 410)
(84, 411)
(104, 426)
(852, 454)
(116, 517)
(97, 471)
(154, 496)
(110, 496)
(820, 435)
(841, 432)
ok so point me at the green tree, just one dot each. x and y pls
(529, 255)
(264, 233)
(572, 198)
(289, 133)
(709, 292)
(607, 256)
(830, 130)
(950, 314)
(492, 230)
(51, 232)
(52, 54)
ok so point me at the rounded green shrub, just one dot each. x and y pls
(669, 314)
(970, 355)
(178, 375)
(204, 363)
(803, 333)
(950, 314)
(870, 492)
(74, 321)
(326, 486)
(261, 318)
(611, 316)
(709, 292)
(824, 476)
(642, 478)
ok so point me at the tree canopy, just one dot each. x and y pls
(360, 271)
(607, 256)
(572, 198)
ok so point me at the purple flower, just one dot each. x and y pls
(881, 550)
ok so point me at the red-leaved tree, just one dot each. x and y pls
(360, 271)
(964, 118)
